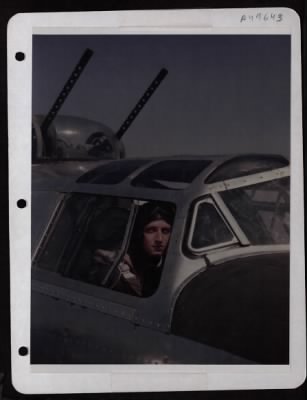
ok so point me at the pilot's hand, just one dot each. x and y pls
(127, 260)
(129, 279)
(104, 257)
(101, 263)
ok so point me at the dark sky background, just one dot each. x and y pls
(224, 94)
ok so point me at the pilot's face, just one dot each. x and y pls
(156, 237)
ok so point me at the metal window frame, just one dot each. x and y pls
(248, 180)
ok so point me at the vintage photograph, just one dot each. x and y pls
(160, 219)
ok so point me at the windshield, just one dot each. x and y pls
(171, 174)
(112, 242)
(262, 210)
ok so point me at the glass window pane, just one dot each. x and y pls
(210, 229)
(112, 173)
(117, 243)
(86, 223)
(262, 210)
(174, 174)
(246, 165)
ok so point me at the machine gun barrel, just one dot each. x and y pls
(63, 95)
(141, 103)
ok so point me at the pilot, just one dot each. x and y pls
(140, 270)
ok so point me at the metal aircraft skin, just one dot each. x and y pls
(223, 296)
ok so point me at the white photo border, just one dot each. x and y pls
(30, 379)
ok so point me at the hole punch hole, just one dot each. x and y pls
(21, 203)
(20, 56)
(23, 351)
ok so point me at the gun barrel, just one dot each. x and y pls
(141, 103)
(63, 94)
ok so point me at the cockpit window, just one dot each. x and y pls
(246, 165)
(173, 174)
(209, 228)
(85, 221)
(262, 210)
(112, 173)
(115, 243)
